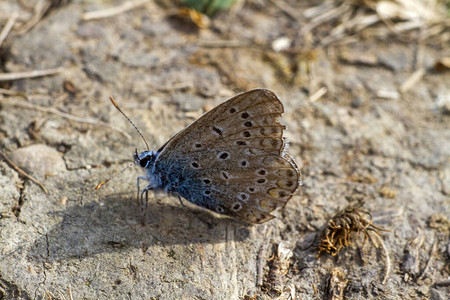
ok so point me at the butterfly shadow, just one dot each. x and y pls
(114, 225)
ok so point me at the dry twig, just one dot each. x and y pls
(62, 114)
(9, 92)
(40, 10)
(318, 94)
(330, 14)
(8, 27)
(388, 259)
(412, 80)
(430, 259)
(286, 8)
(442, 283)
(29, 74)
(261, 258)
(222, 44)
(113, 11)
(22, 172)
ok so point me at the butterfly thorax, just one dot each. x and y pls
(146, 160)
(162, 176)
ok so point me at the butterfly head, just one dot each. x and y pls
(144, 159)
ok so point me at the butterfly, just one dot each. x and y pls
(232, 160)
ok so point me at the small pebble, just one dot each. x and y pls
(38, 159)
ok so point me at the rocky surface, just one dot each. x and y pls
(363, 141)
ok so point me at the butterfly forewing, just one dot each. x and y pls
(231, 159)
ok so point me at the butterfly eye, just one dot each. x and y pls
(144, 161)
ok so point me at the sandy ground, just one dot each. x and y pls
(358, 132)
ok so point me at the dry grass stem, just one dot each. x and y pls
(69, 291)
(430, 259)
(260, 264)
(9, 25)
(389, 214)
(113, 11)
(399, 17)
(315, 11)
(286, 8)
(327, 16)
(9, 92)
(40, 9)
(412, 80)
(354, 25)
(29, 74)
(388, 259)
(22, 172)
(318, 94)
(442, 283)
(62, 114)
(222, 44)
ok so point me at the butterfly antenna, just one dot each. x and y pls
(131, 122)
(112, 177)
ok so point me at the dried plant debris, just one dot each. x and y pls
(387, 192)
(345, 19)
(279, 265)
(410, 263)
(411, 14)
(431, 258)
(442, 64)
(439, 222)
(209, 7)
(40, 10)
(70, 87)
(336, 285)
(343, 228)
(113, 11)
(194, 16)
(21, 172)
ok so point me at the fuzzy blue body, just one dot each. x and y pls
(172, 177)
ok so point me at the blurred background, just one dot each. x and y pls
(366, 90)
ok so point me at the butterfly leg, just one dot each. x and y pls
(181, 202)
(143, 205)
(138, 189)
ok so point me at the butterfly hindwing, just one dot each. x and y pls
(231, 159)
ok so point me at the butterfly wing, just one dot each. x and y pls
(231, 160)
